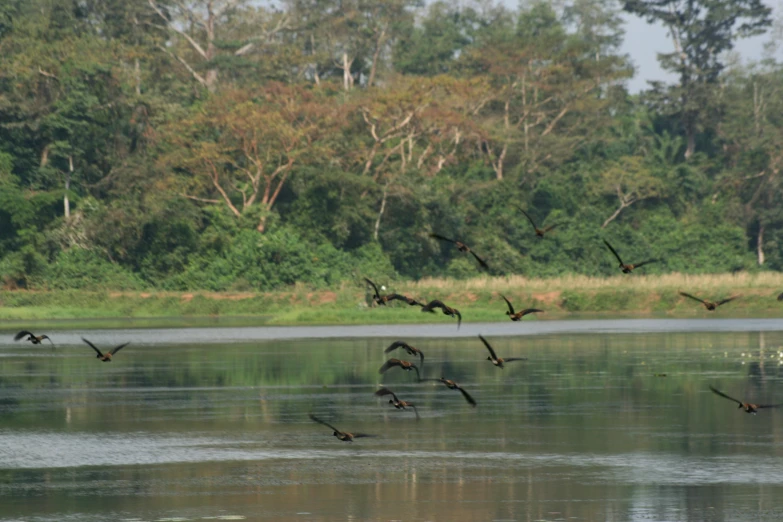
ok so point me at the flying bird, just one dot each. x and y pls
(748, 407)
(342, 435)
(447, 310)
(539, 231)
(780, 297)
(516, 316)
(405, 365)
(454, 386)
(627, 269)
(709, 305)
(400, 405)
(462, 247)
(35, 339)
(498, 361)
(412, 350)
(105, 357)
(383, 299)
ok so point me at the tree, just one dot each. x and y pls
(701, 31)
(199, 22)
(752, 133)
(241, 147)
(432, 46)
(551, 94)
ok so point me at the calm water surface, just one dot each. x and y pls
(198, 424)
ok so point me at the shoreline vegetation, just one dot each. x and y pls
(479, 299)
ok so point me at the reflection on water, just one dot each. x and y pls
(583, 430)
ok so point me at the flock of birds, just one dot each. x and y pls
(431, 306)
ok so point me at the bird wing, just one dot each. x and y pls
(391, 363)
(481, 261)
(510, 306)
(459, 317)
(550, 227)
(515, 359)
(374, 287)
(442, 238)
(386, 391)
(467, 396)
(491, 351)
(724, 301)
(414, 410)
(780, 297)
(47, 338)
(692, 297)
(613, 251)
(319, 421)
(530, 311)
(92, 346)
(528, 218)
(399, 297)
(22, 334)
(120, 347)
(637, 265)
(718, 392)
(435, 303)
(421, 356)
(759, 406)
(418, 375)
(393, 346)
(362, 435)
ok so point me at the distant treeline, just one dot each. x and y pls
(228, 145)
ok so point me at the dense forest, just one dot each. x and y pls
(241, 145)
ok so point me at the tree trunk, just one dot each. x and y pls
(690, 135)
(66, 202)
(347, 76)
(137, 76)
(375, 56)
(380, 213)
(212, 73)
(760, 245)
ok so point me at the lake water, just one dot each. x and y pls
(212, 424)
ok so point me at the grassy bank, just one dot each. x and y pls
(478, 299)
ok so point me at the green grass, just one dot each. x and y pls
(478, 299)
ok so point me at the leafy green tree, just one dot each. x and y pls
(702, 31)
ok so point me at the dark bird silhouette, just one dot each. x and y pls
(342, 435)
(748, 407)
(383, 299)
(709, 305)
(412, 350)
(105, 357)
(454, 386)
(447, 310)
(462, 247)
(627, 269)
(516, 316)
(780, 297)
(405, 365)
(539, 231)
(400, 405)
(498, 361)
(35, 339)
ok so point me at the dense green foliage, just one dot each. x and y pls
(150, 144)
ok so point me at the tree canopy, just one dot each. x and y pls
(230, 145)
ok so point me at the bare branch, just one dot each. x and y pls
(196, 198)
(47, 74)
(169, 25)
(190, 69)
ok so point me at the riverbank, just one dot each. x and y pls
(478, 299)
